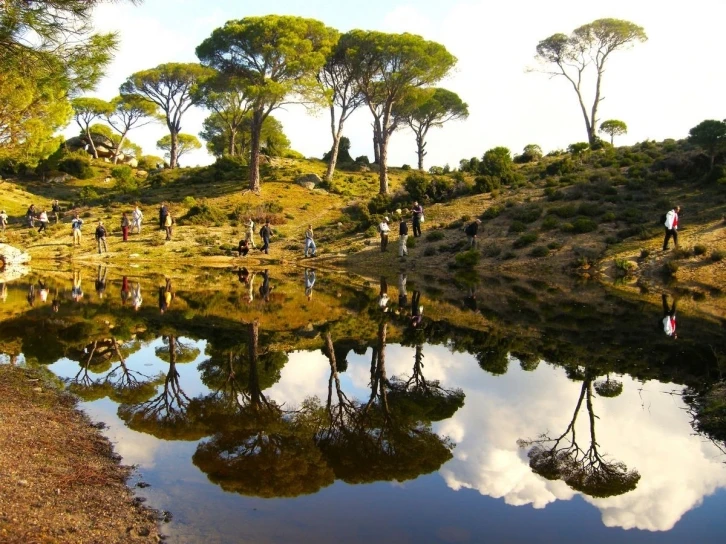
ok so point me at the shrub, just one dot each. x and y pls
(189, 201)
(491, 213)
(539, 251)
(625, 266)
(487, 184)
(610, 240)
(204, 214)
(560, 167)
(525, 240)
(410, 242)
(363, 159)
(700, 249)
(429, 251)
(717, 255)
(417, 185)
(609, 216)
(492, 251)
(509, 255)
(589, 209)
(582, 225)
(644, 253)
(77, 166)
(517, 226)
(567, 227)
(379, 204)
(87, 195)
(467, 259)
(527, 214)
(670, 268)
(554, 245)
(406, 167)
(549, 223)
(150, 162)
(434, 236)
(566, 211)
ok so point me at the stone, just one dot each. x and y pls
(309, 181)
(60, 178)
(12, 263)
(104, 152)
(132, 162)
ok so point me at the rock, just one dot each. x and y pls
(309, 181)
(364, 168)
(75, 143)
(101, 140)
(132, 162)
(61, 178)
(104, 152)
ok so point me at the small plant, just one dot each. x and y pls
(717, 255)
(434, 236)
(525, 240)
(539, 251)
(608, 216)
(430, 251)
(517, 226)
(670, 268)
(550, 222)
(492, 251)
(509, 255)
(467, 259)
(554, 245)
(700, 249)
(491, 213)
(411, 242)
(644, 254)
(582, 225)
(189, 202)
(567, 227)
(625, 266)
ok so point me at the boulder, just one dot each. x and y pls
(104, 152)
(60, 178)
(309, 181)
(132, 162)
(13, 263)
(75, 143)
(101, 140)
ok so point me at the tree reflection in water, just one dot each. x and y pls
(584, 470)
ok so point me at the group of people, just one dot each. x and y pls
(266, 232)
(417, 217)
(32, 215)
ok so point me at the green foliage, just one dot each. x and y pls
(549, 223)
(491, 213)
(582, 225)
(122, 173)
(204, 214)
(434, 236)
(487, 184)
(77, 165)
(589, 209)
(710, 135)
(539, 251)
(717, 255)
(608, 216)
(497, 162)
(417, 185)
(87, 195)
(517, 226)
(578, 148)
(613, 127)
(217, 133)
(525, 240)
(467, 259)
(379, 204)
(185, 144)
(527, 213)
(670, 268)
(531, 153)
(700, 249)
(561, 167)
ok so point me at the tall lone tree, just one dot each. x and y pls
(342, 94)
(278, 56)
(711, 136)
(589, 46)
(427, 108)
(172, 87)
(86, 111)
(130, 111)
(386, 67)
(613, 127)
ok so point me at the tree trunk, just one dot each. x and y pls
(174, 151)
(420, 145)
(333, 159)
(253, 378)
(232, 143)
(254, 167)
(118, 147)
(90, 142)
(376, 141)
(612, 139)
(383, 165)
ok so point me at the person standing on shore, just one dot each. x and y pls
(384, 229)
(76, 224)
(168, 224)
(471, 232)
(101, 237)
(43, 218)
(250, 233)
(125, 223)
(266, 234)
(56, 209)
(163, 213)
(671, 227)
(403, 238)
(3, 220)
(418, 213)
(309, 242)
(30, 216)
(136, 218)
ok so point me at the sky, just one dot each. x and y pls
(660, 88)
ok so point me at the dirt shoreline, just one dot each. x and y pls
(59, 478)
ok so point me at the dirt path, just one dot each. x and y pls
(59, 479)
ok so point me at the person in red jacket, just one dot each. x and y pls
(671, 227)
(669, 317)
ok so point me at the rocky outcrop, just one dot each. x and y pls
(309, 181)
(105, 148)
(13, 263)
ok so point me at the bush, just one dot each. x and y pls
(567, 227)
(363, 159)
(410, 242)
(561, 167)
(434, 236)
(78, 166)
(379, 204)
(228, 167)
(429, 251)
(539, 251)
(582, 225)
(670, 268)
(189, 201)
(589, 209)
(644, 254)
(486, 184)
(527, 214)
(525, 240)
(417, 185)
(491, 213)
(492, 251)
(717, 255)
(554, 245)
(609, 216)
(517, 227)
(549, 223)
(205, 214)
(87, 195)
(467, 259)
(566, 211)
(406, 167)
(150, 162)
(700, 249)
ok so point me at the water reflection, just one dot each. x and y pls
(289, 393)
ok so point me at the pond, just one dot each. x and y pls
(301, 405)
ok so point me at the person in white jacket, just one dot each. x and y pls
(671, 227)
(136, 218)
(669, 317)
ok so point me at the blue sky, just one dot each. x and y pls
(660, 88)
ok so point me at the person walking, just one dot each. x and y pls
(309, 242)
(76, 224)
(101, 237)
(56, 209)
(384, 229)
(168, 223)
(250, 232)
(418, 214)
(43, 219)
(266, 233)
(30, 216)
(136, 218)
(3, 220)
(309, 282)
(403, 238)
(244, 248)
(163, 212)
(671, 227)
(471, 232)
(125, 224)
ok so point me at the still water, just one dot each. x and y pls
(290, 405)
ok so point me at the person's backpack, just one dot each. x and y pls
(663, 218)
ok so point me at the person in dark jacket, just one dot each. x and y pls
(101, 237)
(125, 224)
(56, 210)
(471, 232)
(243, 248)
(266, 233)
(163, 212)
(418, 212)
(403, 238)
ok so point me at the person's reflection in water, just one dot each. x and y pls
(669, 317)
(31, 295)
(125, 291)
(3, 292)
(42, 291)
(250, 282)
(136, 299)
(101, 281)
(383, 295)
(165, 296)
(243, 275)
(309, 282)
(76, 291)
(55, 304)
(416, 309)
(265, 288)
(402, 294)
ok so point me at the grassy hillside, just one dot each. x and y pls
(588, 213)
